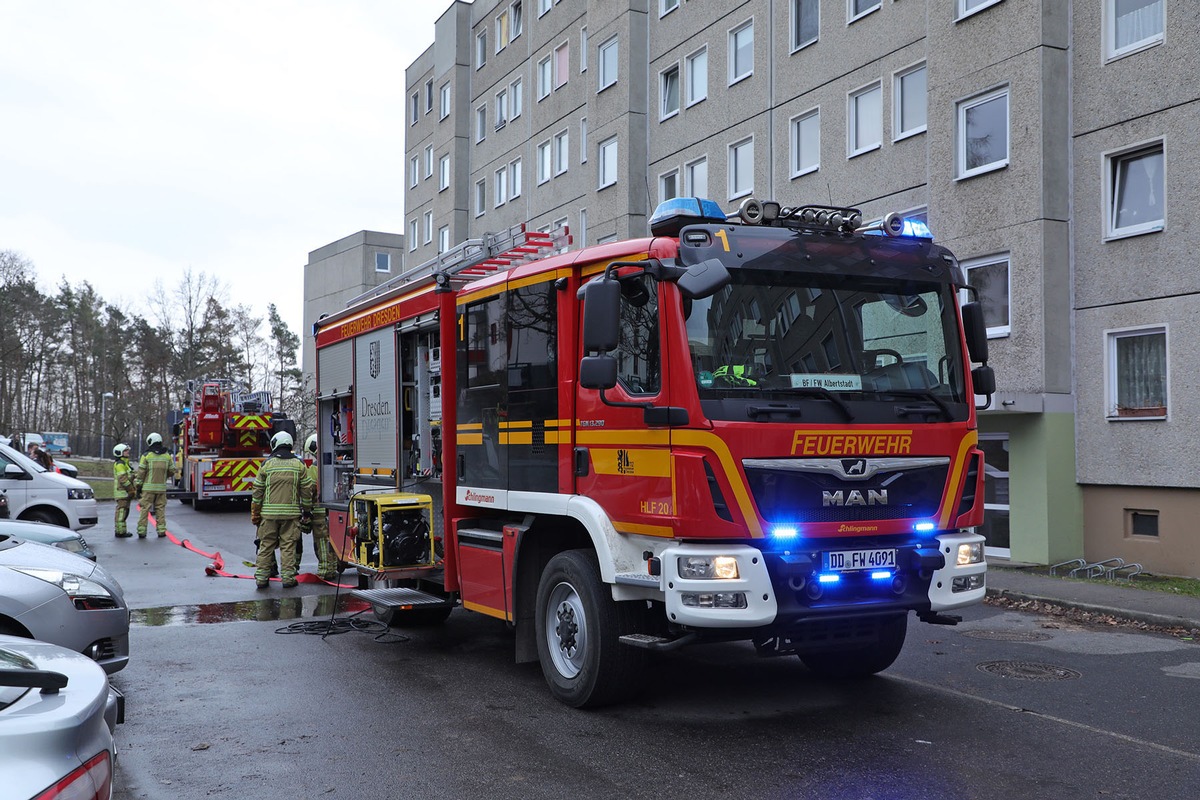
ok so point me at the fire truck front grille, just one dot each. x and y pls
(814, 492)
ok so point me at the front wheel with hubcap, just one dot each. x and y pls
(577, 624)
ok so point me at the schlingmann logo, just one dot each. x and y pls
(471, 497)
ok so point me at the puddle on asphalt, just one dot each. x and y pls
(265, 610)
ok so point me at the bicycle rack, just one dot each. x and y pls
(1074, 562)
(1099, 568)
(1133, 569)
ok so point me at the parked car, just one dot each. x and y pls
(43, 496)
(63, 468)
(53, 535)
(49, 594)
(58, 714)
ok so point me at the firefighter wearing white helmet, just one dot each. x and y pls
(155, 468)
(282, 497)
(123, 491)
(326, 560)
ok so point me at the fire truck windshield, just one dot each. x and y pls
(776, 344)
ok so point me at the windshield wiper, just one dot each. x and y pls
(812, 391)
(924, 394)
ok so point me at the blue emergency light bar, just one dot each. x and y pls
(671, 215)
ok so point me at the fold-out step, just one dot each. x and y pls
(398, 598)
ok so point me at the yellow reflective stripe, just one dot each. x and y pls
(960, 464)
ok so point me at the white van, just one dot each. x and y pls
(36, 494)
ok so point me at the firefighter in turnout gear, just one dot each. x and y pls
(155, 468)
(124, 489)
(282, 499)
(326, 560)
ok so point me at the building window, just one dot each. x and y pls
(806, 23)
(741, 52)
(501, 31)
(444, 172)
(562, 233)
(544, 6)
(1140, 522)
(543, 162)
(443, 238)
(983, 133)
(668, 86)
(501, 186)
(514, 174)
(583, 227)
(583, 49)
(501, 108)
(741, 168)
(667, 6)
(865, 112)
(444, 107)
(480, 124)
(414, 171)
(1137, 373)
(561, 147)
(695, 175)
(429, 161)
(968, 7)
(413, 232)
(543, 78)
(562, 59)
(607, 56)
(428, 227)
(416, 107)
(516, 14)
(607, 152)
(697, 76)
(1134, 191)
(990, 276)
(668, 185)
(856, 9)
(480, 197)
(481, 49)
(383, 262)
(1131, 25)
(583, 140)
(806, 143)
(909, 101)
(515, 98)
(995, 494)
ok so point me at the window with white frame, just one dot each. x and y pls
(668, 185)
(607, 157)
(806, 23)
(444, 105)
(428, 96)
(583, 242)
(544, 6)
(515, 99)
(583, 148)
(561, 150)
(695, 175)
(583, 49)
(968, 7)
(543, 162)
(667, 6)
(562, 61)
(480, 197)
(383, 262)
(855, 9)
(501, 187)
(741, 52)
(501, 108)
(1131, 25)
(414, 170)
(559, 227)
(413, 233)
(607, 58)
(668, 86)
(865, 115)
(697, 76)
(544, 73)
(741, 168)
(517, 19)
(806, 142)
(428, 227)
(480, 49)
(501, 31)
(1135, 191)
(995, 528)
(990, 277)
(514, 177)
(443, 238)
(415, 103)
(909, 100)
(983, 133)
(1137, 373)
(428, 161)
(480, 124)
(444, 172)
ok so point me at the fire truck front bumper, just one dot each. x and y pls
(717, 586)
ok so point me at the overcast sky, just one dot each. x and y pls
(142, 137)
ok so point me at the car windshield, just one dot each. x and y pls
(11, 456)
(791, 341)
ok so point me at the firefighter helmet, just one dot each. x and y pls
(310, 444)
(153, 439)
(735, 374)
(120, 450)
(281, 439)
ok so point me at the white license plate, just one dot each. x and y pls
(853, 560)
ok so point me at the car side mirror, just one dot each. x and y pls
(703, 279)
(601, 315)
(975, 331)
(14, 473)
(598, 372)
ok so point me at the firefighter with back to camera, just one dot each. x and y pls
(326, 560)
(155, 468)
(124, 489)
(282, 499)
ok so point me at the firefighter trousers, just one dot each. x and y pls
(159, 501)
(326, 560)
(122, 514)
(282, 533)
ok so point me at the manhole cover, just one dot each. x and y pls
(1008, 636)
(1027, 671)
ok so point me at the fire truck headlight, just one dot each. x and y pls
(713, 599)
(970, 553)
(721, 568)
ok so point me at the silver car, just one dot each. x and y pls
(57, 716)
(59, 597)
(53, 535)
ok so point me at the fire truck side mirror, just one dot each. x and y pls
(976, 332)
(598, 372)
(601, 316)
(703, 279)
(984, 380)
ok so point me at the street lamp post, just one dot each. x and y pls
(103, 412)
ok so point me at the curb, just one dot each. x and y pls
(1143, 617)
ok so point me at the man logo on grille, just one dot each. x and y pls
(373, 350)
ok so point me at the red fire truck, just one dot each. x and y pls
(756, 427)
(222, 439)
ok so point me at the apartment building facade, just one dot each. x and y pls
(993, 120)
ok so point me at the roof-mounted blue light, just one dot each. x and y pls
(894, 225)
(671, 215)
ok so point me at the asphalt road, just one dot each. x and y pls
(223, 702)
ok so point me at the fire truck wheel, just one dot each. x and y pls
(577, 625)
(864, 660)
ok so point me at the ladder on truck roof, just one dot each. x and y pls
(472, 259)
